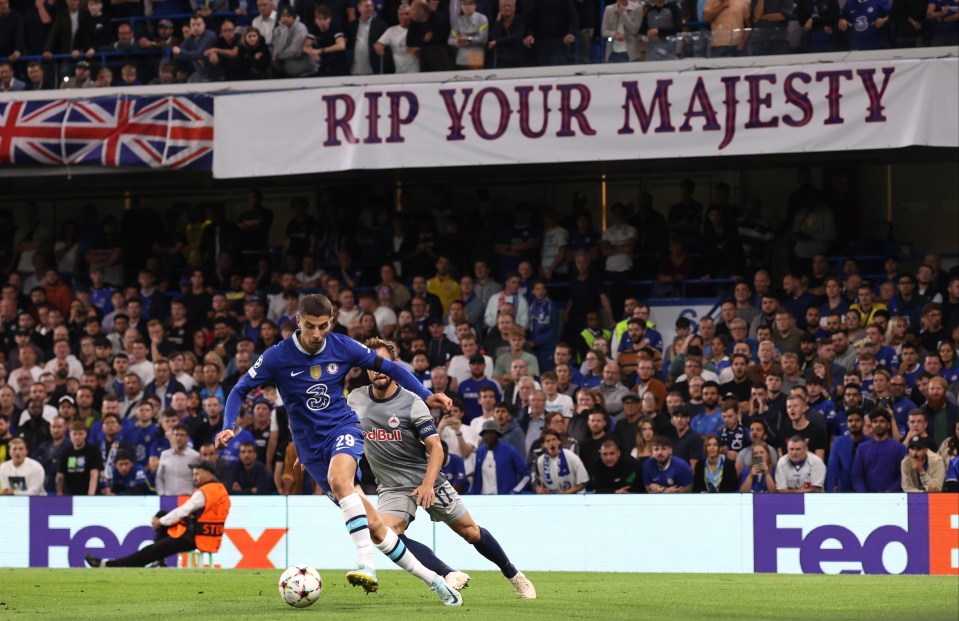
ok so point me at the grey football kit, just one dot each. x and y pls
(393, 431)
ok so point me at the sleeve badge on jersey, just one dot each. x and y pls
(393, 422)
(332, 368)
(259, 361)
(316, 372)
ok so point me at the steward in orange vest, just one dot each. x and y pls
(196, 524)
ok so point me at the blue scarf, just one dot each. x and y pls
(563, 468)
(714, 477)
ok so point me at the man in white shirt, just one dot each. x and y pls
(799, 471)
(395, 38)
(174, 476)
(265, 22)
(21, 476)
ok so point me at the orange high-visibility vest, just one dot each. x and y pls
(208, 531)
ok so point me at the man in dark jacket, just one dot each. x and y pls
(361, 34)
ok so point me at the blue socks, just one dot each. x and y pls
(425, 556)
(490, 548)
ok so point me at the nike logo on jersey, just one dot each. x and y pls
(295, 373)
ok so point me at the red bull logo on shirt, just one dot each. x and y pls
(382, 435)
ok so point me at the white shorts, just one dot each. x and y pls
(448, 507)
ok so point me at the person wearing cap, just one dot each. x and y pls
(499, 467)
(81, 77)
(197, 524)
(165, 37)
(876, 466)
(922, 470)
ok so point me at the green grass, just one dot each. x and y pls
(74, 594)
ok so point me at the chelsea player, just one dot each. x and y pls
(309, 370)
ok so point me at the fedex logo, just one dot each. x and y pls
(62, 532)
(875, 534)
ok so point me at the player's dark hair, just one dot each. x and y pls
(316, 305)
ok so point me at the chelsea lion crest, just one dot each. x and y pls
(332, 368)
(316, 372)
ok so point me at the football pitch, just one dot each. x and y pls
(252, 594)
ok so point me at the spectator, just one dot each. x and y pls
(758, 478)
(841, 454)
(193, 47)
(80, 465)
(165, 40)
(769, 20)
(597, 424)
(799, 471)
(362, 36)
(917, 425)
(428, 34)
(940, 413)
(688, 444)
(666, 473)
(8, 83)
(222, 56)
(68, 21)
(174, 476)
(611, 389)
(12, 43)
(715, 473)
(288, 40)
(405, 59)
(616, 473)
(36, 76)
(923, 470)
(728, 20)
(551, 30)
(559, 470)
(621, 22)
(510, 432)
(128, 478)
(800, 425)
(21, 475)
(250, 475)
(864, 24)
(265, 21)
(469, 36)
(326, 44)
(48, 452)
(733, 437)
(506, 38)
(876, 465)
(499, 468)
(81, 77)
(710, 421)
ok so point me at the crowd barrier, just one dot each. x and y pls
(735, 533)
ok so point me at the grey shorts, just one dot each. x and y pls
(448, 507)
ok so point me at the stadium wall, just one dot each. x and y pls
(736, 533)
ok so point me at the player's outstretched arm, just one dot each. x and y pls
(258, 374)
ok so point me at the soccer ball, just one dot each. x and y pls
(300, 586)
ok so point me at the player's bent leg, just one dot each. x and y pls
(489, 547)
(397, 510)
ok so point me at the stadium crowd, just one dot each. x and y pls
(175, 41)
(120, 339)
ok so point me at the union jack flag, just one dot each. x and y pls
(155, 132)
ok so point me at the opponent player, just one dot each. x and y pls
(309, 369)
(399, 431)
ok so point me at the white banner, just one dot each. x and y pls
(877, 104)
(721, 533)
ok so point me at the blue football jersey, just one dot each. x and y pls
(312, 387)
